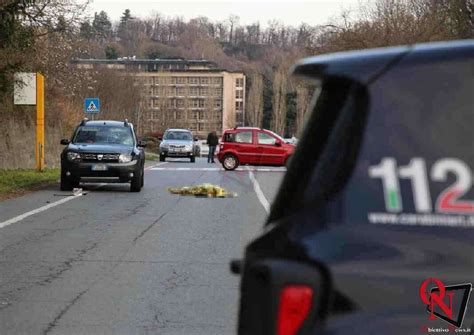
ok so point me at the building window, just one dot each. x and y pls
(204, 91)
(174, 80)
(193, 127)
(171, 91)
(239, 94)
(150, 91)
(203, 126)
(201, 104)
(194, 91)
(217, 80)
(181, 91)
(182, 80)
(193, 115)
(217, 104)
(239, 105)
(217, 92)
(194, 103)
(239, 82)
(180, 115)
(205, 80)
(193, 81)
(157, 103)
(180, 103)
(170, 103)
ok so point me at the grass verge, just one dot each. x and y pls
(149, 156)
(17, 182)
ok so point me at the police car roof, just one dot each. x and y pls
(366, 65)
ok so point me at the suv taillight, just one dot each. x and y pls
(294, 306)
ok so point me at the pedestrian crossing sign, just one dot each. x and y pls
(91, 105)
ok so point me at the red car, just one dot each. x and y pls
(245, 145)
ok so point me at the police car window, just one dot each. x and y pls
(415, 150)
(243, 137)
(266, 139)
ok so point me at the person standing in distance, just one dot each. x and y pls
(212, 141)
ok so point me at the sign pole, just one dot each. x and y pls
(39, 122)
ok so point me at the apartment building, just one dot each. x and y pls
(178, 93)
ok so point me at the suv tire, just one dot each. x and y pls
(66, 184)
(230, 162)
(162, 158)
(136, 182)
(193, 159)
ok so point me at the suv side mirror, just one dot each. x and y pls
(196, 139)
(278, 144)
(65, 141)
(141, 144)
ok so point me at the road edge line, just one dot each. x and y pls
(258, 190)
(154, 165)
(36, 211)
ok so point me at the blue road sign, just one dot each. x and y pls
(91, 105)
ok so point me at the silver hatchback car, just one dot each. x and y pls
(179, 143)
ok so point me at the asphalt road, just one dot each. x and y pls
(115, 262)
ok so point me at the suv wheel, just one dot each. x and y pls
(230, 162)
(193, 159)
(136, 182)
(66, 184)
(162, 158)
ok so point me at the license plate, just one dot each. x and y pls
(99, 167)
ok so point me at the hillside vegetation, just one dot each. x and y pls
(45, 36)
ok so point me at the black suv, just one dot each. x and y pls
(103, 151)
(372, 229)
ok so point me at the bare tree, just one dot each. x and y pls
(233, 22)
(254, 105)
(279, 101)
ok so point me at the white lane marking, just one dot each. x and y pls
(154, 166)
(36, 211)
(259, 192)
(44, 208)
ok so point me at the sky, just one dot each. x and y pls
(312, 12)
